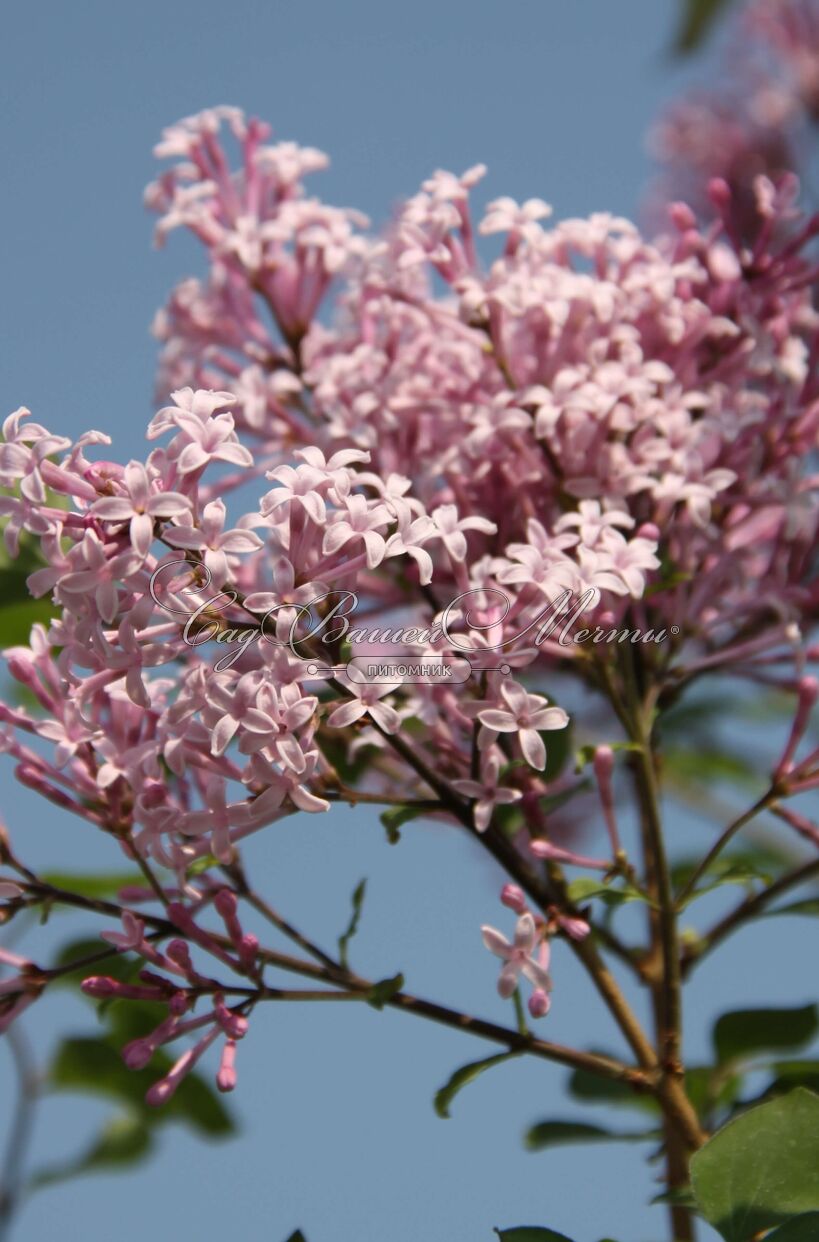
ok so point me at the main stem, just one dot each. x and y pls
(663, 965)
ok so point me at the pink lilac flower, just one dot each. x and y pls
(487, 793)
(526, 715)
(140, 507)
(517, 956)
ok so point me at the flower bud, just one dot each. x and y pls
(137, 1054)
(514, 898)
(539, 1003)
(226, 903)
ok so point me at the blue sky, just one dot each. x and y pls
(338, 1132)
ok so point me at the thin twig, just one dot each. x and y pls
(745, 911)
(20, 1132)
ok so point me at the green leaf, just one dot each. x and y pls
(585, 755)
(587, 888)
(384, 991)
(697, 18)
(593, 1090)
(17, 616)
(746, 1032)
(762, 1168)
(800, 1229)
(298, 1236)
(558, 743)
(790, 1074)
(709, 1088)
(352, 926)
(200, 865)
(124, 1140)
(393, 819)
(809, 906)
(728, 869)
(682, 1195)
(122, 966)
(561, 1133)
(462, 1077)
(94, 885)
(95, 1065)
(709, 765)
(531, 1233)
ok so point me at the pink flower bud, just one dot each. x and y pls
(226, 903)
(98, 985)
(131, 894)
(33, 778)
(226, 1077)
(102, 986)
(248, 948)
(575, 928)
(137, 1054)
(160, 1092)
(514, 898)
(178, 952)
(539, 1003)
(682, 217)
(603, 762)
(719, 192)
(233, 1024)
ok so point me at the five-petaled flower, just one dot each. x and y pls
(524, 714)
(140, 506)
(517, 956)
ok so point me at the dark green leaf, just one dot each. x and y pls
(614, 894)
(531, 1233)
(95, 1066)
(462, 1077)
(561, 1133)
(800, 1229)
(728, 869)
(352, 926)
(593, 1090)
(683, 1195)
(124, 1140)
(585, 755)
(697, 18)
(709, 1088)
(709, 765)
(384, 991)
(18, 616)
(122, 966)
(762, 1168)
(93, 885)
(810, 906)
(790, 1074)
(393, 818)
(558, 743)
(746, 1032)
(298, 1236)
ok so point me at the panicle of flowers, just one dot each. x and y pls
(596, 434)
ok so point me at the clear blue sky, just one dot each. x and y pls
(339, 1136)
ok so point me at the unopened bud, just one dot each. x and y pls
(539, 1003)
(514, 898)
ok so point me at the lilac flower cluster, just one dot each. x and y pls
(594, 410)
